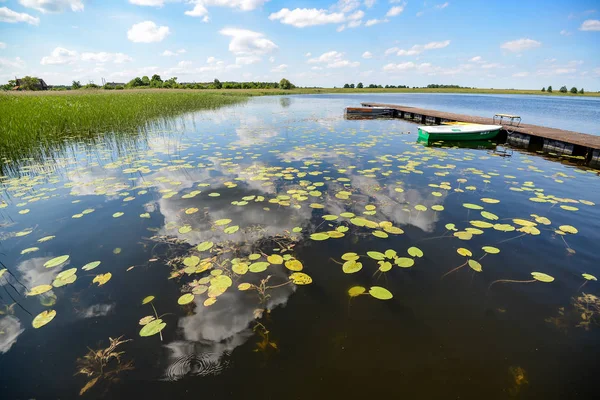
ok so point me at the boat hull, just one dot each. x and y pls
(459, 136)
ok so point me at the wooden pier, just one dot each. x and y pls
(531, 137)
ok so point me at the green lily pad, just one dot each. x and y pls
(56, 261)
(185, 299)
(152, 328)
(43, 318)
(380, 293)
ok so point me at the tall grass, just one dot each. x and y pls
(42, 118)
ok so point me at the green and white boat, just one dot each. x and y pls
(459, 132)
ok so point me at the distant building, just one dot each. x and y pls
(41, 85)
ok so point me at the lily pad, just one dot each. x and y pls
(185, 299)
(540, 276)
(589, 277)
(258, 266)
(404, 262)
(475, 265)
(300, 278)
(376, 255)
(205, 246)
(380, 293)
(102, 278)
(490, 249)
(39, 290)
(43, 318)
(244, 286)
(90, 266)
(351, 267)
(319, 236)
(152, 328)
(56, 261)
(356, 291)
(464, 252)
(275, 259)
(147, 299)
(294, 265)
(415, 252)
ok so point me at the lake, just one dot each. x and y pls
(276, 250)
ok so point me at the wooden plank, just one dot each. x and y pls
(580, 139)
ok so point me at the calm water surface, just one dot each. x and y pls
(257, 181)
(579, 114)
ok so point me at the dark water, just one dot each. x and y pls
(283, 162)
(579, 114)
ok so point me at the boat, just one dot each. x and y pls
(459, 132)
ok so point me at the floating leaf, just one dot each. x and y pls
(240, 268)
(490, 249)
(319, 236)
(540, 276)
(404, 262)
(589, 277)
(463, 235)
(145, 215)
(147, 299)
(472, 206)
(205, 246)
(389, 253)
(350, 256)
(420, 207)
(393, 230)
(275, 259)
(67, 273)
(569, 208)
(191, 210)
(56, 261)
(46, 238)
(293, 265)
(221, 222)
(351, 267)
(415, 252)
(356, 291)
(102, 278)
(90, 266)
(490, 201)
(568, 229)
(39, 290)
(43, 318)
(191, 261)
(3, 271)
(451, 227)
(375, 255)
(231, 229)
(384, 266)
(185, 229)
(118, 214)
(380, 234)
(244, 286)
(464, 252)
(146, 320)
(185, 299)
(489, 215)
(481, 224)
(258, 266)
(210, 301)
(152, 328)
(29, 250)
(300, 278)
(297, 229)
(330, 217)
(475, 265)
(380, 293)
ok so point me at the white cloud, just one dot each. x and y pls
(367, 54)
(565, 32)
(476, 59)
(247, 60)
(148, 3)
(395, 11)
(200, 6)
(491, 65)
(590, 25)
(169, 53)
(18, 63)
(424, 68)
(370, 3)
(354, 24)
(520, 45)
(271, 59)
(340, 28)
(53, 6)
(246, 42)
(2, 45)
(346, 5)
(303, 17)
(280, 68)
(442, 6)
(60, 56)
(10, 16)
(308, 54)
(523, 74)
(375, 21)
(104, 57)
(147, 32)
(420, 13)
(418, 48)
(333, 59)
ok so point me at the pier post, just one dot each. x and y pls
(423, 119)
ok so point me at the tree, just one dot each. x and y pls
(156, 78)
(285, 84)
(574, 90)
(346, 86)
(549, 89)
(352, 86)
(581, 91)
(135, 82)
(543, 89)
(76, 85)
(145, 80)
(29, 83)
(217, 84)
(563, 89)
(360, 85)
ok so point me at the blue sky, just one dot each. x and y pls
(500, 44)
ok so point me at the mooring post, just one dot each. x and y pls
(423, 119)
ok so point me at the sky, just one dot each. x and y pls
(487, 44)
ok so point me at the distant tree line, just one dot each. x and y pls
(29, 83)
(360, 85)
(563, 89)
